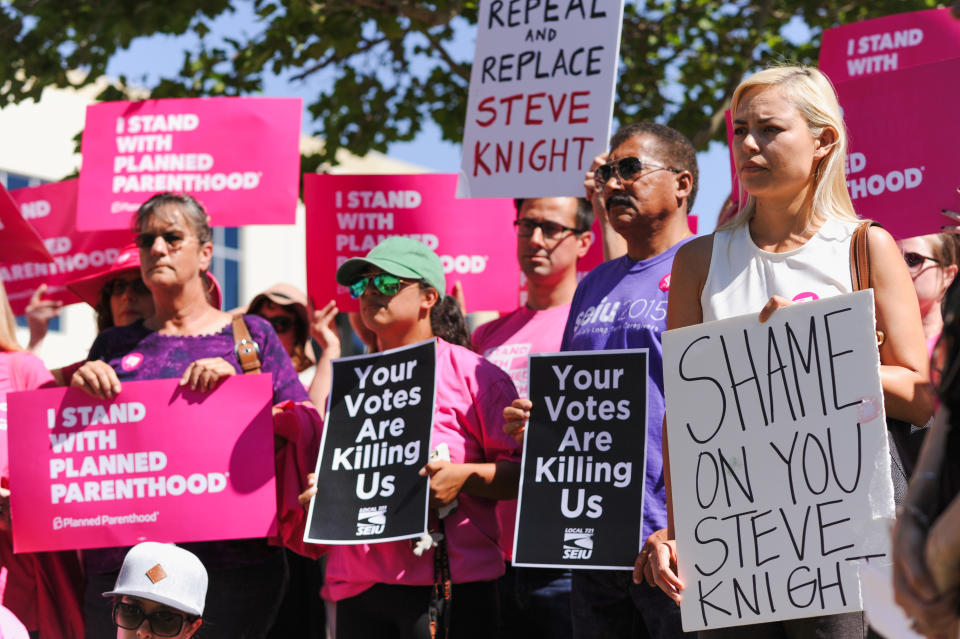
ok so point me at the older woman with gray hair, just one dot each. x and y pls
(188, 338)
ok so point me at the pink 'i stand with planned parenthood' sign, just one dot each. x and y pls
(239, 157)
(52, 210)
(19, 242)
(158, 462)
(896, 81)
(347, 215)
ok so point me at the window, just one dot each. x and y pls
(226, 264)
(54, 324)
(16, 181)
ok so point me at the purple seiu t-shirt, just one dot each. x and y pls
(137, 354)
(623, 304)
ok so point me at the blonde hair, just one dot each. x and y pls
(8, 327)
(811, 92)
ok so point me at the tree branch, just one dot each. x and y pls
(705, 133)
(411, 10)
(455, 67)
(334, 58)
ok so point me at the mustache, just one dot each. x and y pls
(618, 199)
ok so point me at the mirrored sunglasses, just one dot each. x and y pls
(384, 282)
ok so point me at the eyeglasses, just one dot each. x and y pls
(915, 260)
(171, 238)
(280, 323)
(117, 287)
(626, 170)
(163, 623)
(551, 230)
(383, 282)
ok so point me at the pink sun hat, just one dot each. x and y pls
(128, 261)
(88, 288)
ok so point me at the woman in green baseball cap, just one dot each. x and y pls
(387, 589)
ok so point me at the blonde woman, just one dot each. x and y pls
(791, 241)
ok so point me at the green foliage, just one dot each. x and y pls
(382, 67)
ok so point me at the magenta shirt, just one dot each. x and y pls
(507, 342)
(471, 396)
(136, 353)
(19, 371)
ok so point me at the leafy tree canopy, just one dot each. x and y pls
(393, 63)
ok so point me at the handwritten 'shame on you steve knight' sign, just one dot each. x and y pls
(780, 467)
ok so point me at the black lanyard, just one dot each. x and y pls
(441, 603)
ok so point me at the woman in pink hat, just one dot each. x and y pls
(116, 293)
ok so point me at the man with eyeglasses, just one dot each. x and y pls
(553, 233)
(644, 188)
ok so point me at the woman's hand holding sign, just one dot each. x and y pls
(97, 379)
(305, 497)
(206, 374)
(772, 305)
(516, 416)
(446, 481)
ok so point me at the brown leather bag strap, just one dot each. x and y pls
(860, 263)
(247, 350)
(860, 257)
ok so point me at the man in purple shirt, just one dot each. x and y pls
(644, 187)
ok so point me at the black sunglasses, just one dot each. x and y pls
(626, 169)
(163, 623)
(118, 287)
(551, 230)
(171, 238)
(915, 260)
(280, 323)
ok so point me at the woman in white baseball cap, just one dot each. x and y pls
(160, 592)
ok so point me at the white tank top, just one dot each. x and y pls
(742, 277)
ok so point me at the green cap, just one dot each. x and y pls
(400, 256)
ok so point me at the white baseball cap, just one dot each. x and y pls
(164, 573)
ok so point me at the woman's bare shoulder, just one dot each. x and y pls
(694, 256)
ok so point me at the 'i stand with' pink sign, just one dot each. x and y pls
(239, 157)
(157, 462)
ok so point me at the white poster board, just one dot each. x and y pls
(541, 96)
(779, 461)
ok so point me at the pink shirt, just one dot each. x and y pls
(506, 342)
(18, 371)
(471, 395)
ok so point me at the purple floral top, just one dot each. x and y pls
(136, 353)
